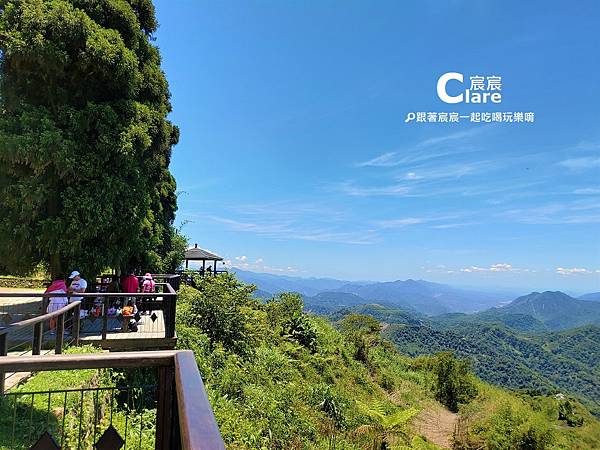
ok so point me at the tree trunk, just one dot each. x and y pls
(55, 265)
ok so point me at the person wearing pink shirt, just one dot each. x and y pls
(148, 287)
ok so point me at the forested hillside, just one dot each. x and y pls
(506, 358)
(278, 377)
(511, 350)
(555, 310)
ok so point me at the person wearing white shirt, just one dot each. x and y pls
(78, 285)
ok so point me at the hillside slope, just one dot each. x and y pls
(566, 361)
(280, 378)
(555, 310)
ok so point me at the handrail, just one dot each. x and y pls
(168, 293)
(41, 318)
(181, 392)
(197, 424)
(171, 293)
(120, 360)
(170, 289)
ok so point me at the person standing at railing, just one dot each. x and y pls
(58, 286)
(130, 285)
(78, 285)
(148, 287)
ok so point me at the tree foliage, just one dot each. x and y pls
(454, 381)
(363, 331)
(222, 308)
(84, 141)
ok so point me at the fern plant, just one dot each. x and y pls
(384, 426)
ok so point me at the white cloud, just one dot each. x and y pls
(417, 153)
(399, 223)
(580, 211)
(412, 176)
(499, 267)
(384, 160)
(243, 263)
(445, 226)
(474, 269)
(586, 191)
(396, 189)
(407, 221)
(588, 162)
(574, 271)
(290, 229)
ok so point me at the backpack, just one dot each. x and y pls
(132, 326)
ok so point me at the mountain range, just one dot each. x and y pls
(592, 297)
(508, 346)
(533, 313)
(543, 341)
(324, 295)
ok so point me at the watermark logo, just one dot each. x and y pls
(454, 88)
(482, 89)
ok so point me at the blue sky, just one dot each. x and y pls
(295, 157)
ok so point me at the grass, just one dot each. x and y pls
(67, 404)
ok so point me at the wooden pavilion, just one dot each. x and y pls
(198, 254)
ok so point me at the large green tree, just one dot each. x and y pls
(84, 140)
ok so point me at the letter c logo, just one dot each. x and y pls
(441, 87)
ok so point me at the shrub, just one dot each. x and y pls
(454, 382)
(512, 427)
(216, 308)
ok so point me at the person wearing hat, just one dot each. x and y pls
(148, 284)
(78, 285)
(148, 287)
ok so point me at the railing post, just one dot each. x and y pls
(164, 409)
(169, 315)
(105, 317)
(76, 323)
(175, 282)
(3, 352)
(37, 338)
(60, 332)
(45, 301)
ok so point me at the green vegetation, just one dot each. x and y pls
(280, 378)
(24, 417)
(84, 141)
(453, 381)
(23, 283)
(547, 362)
(550, 363)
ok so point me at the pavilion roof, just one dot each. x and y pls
(198, 254)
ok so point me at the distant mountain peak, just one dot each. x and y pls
(541, 296)
(555, 309)
(591, 297)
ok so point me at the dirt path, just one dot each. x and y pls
(437, 425)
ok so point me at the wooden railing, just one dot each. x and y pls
(28, 335)
(184, 417)
(163, 301)
(105, 279)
